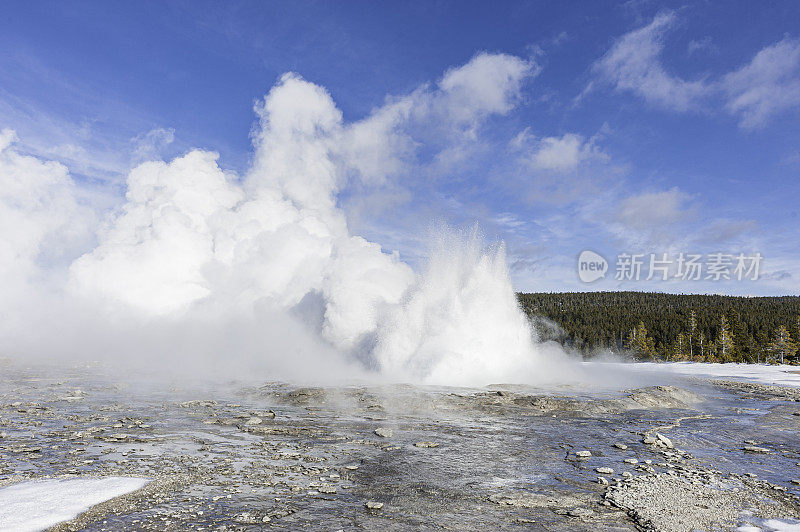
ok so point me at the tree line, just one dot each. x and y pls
(654, 326)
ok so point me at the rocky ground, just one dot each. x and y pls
(264, 456)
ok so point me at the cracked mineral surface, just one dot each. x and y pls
(260, 455)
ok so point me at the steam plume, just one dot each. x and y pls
(198, 261)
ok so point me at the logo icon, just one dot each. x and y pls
(591, 266)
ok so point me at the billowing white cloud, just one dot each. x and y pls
(379, 146)
(560, 153)
(766, 86)
(633, 64)
(556, 153)
(43, 226)
(444, 118)
(42, 222)
(294, 145)
(152, 254)
(189, 231)
(488, 84)
(193, 240)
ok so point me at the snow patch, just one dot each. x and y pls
(781, 375)
(769, 525)
(39, 504)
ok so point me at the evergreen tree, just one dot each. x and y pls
(724, 343)
(640, 342)
(591, 322)
(630, 341)
(797, 337)
(680, 347)
(701, 345)
(782, 346)
(762, 345)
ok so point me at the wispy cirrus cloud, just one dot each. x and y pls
(148, 146)
(706, 44)
(633, 64)
(654, 209)
(768, 85)
(759, 90)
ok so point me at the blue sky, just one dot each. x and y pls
(637, 127)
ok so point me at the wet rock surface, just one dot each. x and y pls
(245, 456)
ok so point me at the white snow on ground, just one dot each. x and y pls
(782, 375)
(39, 504)
(770, 525)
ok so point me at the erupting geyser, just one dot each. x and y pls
(459, 323)
(193, 243)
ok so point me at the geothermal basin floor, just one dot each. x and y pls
(687, 454)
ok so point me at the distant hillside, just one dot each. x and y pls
(671, 327)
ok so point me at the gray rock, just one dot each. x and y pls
(246, 518)
(605, 470)
(196, 403)
(754, 449)
(25, 449)
(621, 446)
(384, 432)
(665, 441)
(374, 505)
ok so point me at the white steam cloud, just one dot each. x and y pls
(202, 264)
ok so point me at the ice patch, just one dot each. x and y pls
(39, 504)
